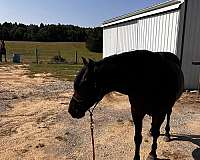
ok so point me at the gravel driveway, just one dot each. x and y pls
(35, 124)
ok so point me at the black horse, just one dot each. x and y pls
(152, 81)
(2, 50)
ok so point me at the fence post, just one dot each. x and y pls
(76, 58)
(36, 55)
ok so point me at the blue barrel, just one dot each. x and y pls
(16, 58)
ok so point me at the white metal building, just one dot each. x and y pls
(173, 26)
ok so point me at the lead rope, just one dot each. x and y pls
(92, 128)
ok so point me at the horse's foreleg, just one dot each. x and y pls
(5, 58)
(155, 131)
(137, 119)
(0, 57)
(167, 128)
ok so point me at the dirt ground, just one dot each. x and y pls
(35, 124)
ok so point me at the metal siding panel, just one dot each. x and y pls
(170, 42)
(130, 37)
(152, 34)
(164, 36)
(149, 28)
(160, 33)
(177, 30)
(153, 44)
(191, 46)
(167, 25)
(126, 37)
(135, 35)
(140, 28)
(146, 37)
(149, 24)
(104, 42)
(142, 31)
(113, 39)
(139, 34)
(174, 32)
(127, 28)
(155, 33)
(123, 38)
(117, 49)
(119, 46)
(163, 33)
(110, 41)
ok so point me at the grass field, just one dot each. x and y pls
(46, 51)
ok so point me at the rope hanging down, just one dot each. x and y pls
(92, 128)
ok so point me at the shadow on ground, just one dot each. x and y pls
(195, 139)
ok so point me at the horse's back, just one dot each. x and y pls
(170, 57)
(154, 73)
(151, 73)
(161, 81)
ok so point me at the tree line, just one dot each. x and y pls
(52, 33)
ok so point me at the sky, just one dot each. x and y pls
(85, 13)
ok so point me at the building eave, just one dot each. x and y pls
(155, 9)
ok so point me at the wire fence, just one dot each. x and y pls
(49, 52)
(44, 56)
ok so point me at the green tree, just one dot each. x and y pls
(19, 34)
(52, 33)
(95, 40)
(5, 33)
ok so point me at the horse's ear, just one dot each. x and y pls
(84, 61)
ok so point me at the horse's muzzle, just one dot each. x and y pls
(76, 115)
(75, 110)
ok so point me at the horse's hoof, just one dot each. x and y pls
(166, 138)
(136, 158)
(151, 157)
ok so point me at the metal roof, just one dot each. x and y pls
(128, 16)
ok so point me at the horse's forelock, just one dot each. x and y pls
(79, 77)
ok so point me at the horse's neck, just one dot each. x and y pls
(109, 77)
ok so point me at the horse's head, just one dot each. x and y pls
(86, 92)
